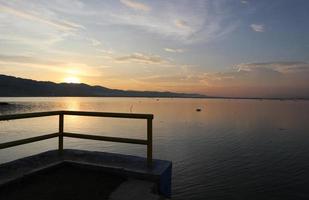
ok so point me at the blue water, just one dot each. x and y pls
(232, 149)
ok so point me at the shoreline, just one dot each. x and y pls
(228, 98)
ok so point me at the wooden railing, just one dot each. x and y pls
(61, 134)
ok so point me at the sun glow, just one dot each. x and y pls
(71, 79)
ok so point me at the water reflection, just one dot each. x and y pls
(232, 149)
(72, 103)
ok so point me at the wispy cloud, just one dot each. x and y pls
(41, 25)
(189, 23)
(280, 67)
(172, 50)
(268, 79)
(94, 42)
(136, 5)
(141, 59)
(26, 59)
(181, 24)
(185, 22)
(63, 67)
(58, 24)
(258, 27)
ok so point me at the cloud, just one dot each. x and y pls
(174, 50)
(26, 59)
(94, 42)
(41, 25)
(202, 21)
(28, 62)
(56, 23)
(280, 67)
(136, 5)
(182, 24)
(141, 59)
(266, 79)
(257, 27)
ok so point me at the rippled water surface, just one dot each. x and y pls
(232, 149)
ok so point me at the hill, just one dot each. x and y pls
(18, 87)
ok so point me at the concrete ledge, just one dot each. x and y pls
(135, 189)
(124, 165)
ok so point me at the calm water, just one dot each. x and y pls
(232, 149)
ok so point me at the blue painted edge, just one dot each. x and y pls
(165, 187)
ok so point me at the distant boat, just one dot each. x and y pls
(4, 104)
(198, 110)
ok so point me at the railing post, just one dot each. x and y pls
(149, 142)
(60, 144)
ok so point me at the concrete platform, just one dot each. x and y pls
(134, 190)
(155, 180)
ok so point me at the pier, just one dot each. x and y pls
(137, 172)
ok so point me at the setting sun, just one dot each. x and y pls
(71, 80)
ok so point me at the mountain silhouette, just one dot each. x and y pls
(18, 87)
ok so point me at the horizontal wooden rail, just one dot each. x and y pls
(28, 140)
(107, 114)
(28, 115)
(105, 138)
(79, 113)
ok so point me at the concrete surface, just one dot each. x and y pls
(135, 190)
(132, 167)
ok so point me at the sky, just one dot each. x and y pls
(236, 48)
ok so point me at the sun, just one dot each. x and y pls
(71, 79)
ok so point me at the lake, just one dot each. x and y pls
(231, 149)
